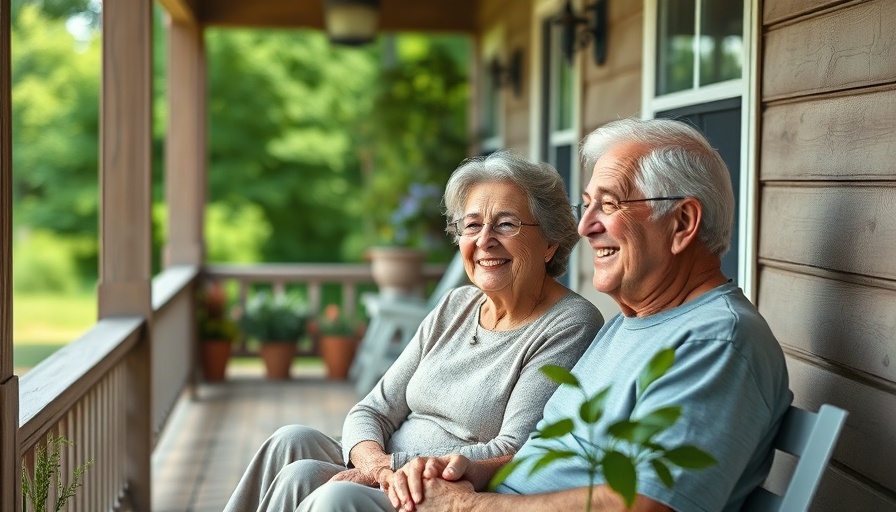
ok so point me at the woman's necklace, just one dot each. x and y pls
(513, 325)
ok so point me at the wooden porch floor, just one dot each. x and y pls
(209, 441)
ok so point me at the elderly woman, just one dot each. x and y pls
(469, 381)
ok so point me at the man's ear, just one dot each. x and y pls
(686, 224)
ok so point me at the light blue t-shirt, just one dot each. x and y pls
(729, 377)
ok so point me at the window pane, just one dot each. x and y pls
(562, 78)
(721, 41)
(675, 46)
(564, 95)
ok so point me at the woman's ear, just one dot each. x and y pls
(686, 224)
(550, 252)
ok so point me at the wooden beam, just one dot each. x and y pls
(125, 222)
(181, 11)
(185, 146)
(395, 15)
(10, 464)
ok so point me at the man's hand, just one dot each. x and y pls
(443, 495)
(406, 486)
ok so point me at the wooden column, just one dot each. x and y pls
(10, 464)
(185, 157)
(125, 225)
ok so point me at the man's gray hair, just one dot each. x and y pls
(678, 161)
(545, 192)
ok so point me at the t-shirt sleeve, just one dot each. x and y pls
(723, 413)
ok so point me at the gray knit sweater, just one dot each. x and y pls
(445, 394)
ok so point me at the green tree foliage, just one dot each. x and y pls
(55, 127)
(61, 9)
(311, 145)
(281, 108)
(416, 132)
(44, 262)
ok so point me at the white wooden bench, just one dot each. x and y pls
(393, 321)
(811, 436)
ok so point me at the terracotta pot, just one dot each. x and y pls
(277, 357)
(337, 353)
(397, 270)
(215, 355)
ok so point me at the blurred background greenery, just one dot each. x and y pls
(311, 149)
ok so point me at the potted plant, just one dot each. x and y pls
(276, 322)
(415, 225)
(216, 332)
(337, 339)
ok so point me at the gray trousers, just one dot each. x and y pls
(288, 467)
(346, 497)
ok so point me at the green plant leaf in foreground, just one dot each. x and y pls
(549, 458)
(620, 474)
(558, 429)
(657, 367)
(593, 408)
(654, 423)
(625, 446)
(36, 489)
(560, 375)
(690, 457)
(504, 472)
(663, 472)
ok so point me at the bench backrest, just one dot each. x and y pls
(812, 437)
(455, 275)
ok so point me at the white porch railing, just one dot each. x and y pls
(312, 277)
(86, 390)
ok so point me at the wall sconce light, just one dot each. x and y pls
(351, 22)
(510, 74)
(572, 39)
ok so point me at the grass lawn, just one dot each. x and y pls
(44, 322)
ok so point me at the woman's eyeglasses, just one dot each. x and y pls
(504, 226)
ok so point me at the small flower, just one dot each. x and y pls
(332, 321)
(417, 215)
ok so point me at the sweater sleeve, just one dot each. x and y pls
(560, 341)
(385, 408)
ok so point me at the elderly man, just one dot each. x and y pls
(658, 214)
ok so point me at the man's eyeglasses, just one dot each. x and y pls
(610, 207)
(504, 226)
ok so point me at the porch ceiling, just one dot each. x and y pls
(395, 15)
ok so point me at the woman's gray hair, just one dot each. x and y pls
(547, 197)
(679, 161)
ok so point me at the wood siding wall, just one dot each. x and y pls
(515, 16)
(827, 227)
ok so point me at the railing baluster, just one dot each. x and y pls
(314, 297)
(349, 298)
(313, 275)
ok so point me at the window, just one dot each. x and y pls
(696, 68)
(490, 116)
(699, 42)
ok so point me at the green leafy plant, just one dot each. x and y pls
(623, 447)
(36, 487)
(275, 318)
(334, 322)
(212, 318)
